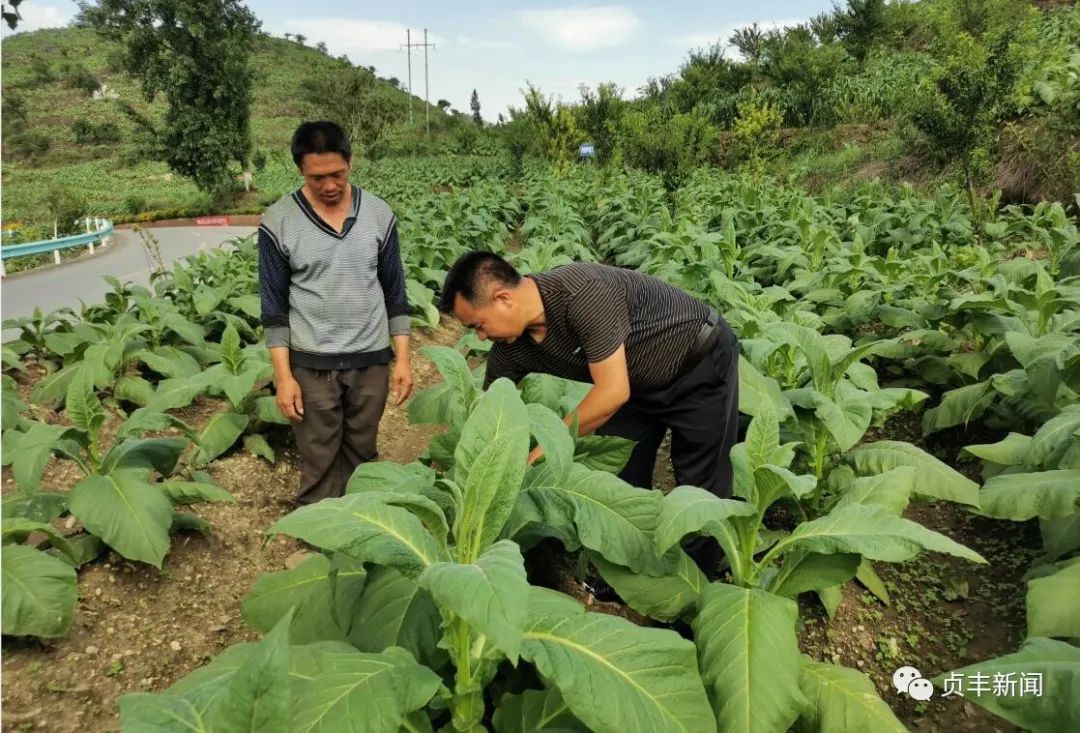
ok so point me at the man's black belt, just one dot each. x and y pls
(704, 341)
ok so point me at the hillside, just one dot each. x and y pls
(41, 70)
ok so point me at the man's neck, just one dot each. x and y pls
(343, 206)
(536, 322)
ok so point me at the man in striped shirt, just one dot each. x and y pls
(657, 358)
(332, 287)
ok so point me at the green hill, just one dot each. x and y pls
(48, 80)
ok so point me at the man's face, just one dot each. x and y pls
(496, 317)
(327, 175)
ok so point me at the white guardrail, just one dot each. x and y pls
(98, 231)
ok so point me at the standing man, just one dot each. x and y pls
(657, 358)
(333, 296)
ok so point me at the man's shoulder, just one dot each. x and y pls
(277, 212)
(376, 204)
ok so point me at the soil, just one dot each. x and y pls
(140, 629)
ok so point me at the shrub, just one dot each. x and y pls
(670, 147)
(756, 132)
(30, 145)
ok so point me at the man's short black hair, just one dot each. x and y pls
(470, 275)
(321, 136)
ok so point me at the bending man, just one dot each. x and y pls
(657, 358)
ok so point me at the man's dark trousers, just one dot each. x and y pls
(342, 410)
(701, 408)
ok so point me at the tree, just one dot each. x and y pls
(300, 38)
(443, 104)
(474, 105)
(196, 55)
(860, 25)
(599, 116)
(354, 99)
(321, 48)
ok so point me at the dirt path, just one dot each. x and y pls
(139, 629)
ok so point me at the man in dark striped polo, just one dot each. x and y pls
(333, 296)
(657, 358)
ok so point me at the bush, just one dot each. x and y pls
(65, 207)
(41, 70)
(134, 204)
(30, 145)
(87, 133)
(756, 133)
(77, 77)
(259, 160)
(669, 147)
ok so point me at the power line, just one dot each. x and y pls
(409, 45)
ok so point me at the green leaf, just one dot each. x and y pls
(353, 692)
(554, 437)
(847, 418)
(82, 548)
(1060, 536)
(237, 387)
(647, 678)
(395, 611)
(870, 531)
(159, 713)
(489, 594)
(607, 453)
(266, 410)
(1051, 603)
(758, 392)
(307, 588)
(959, 407)
(83, 407)
(158, 454)
(1053, 440)
(1010, 451)
(890, 490)
(142, 421)
(185, 329)
(132, 516)
(207, 300)
(364, 526)
(804, 571)
(1053, 711)
(171, 362)
(219, 434)
(812, 346)
(842, 699)
(17, 529)
(664, 598)
(749, 658)
(134, 389)
(535, 711)
(453, 398)
(542, 389)
(1022, 496)
(250, 305)
(933, 478)
(192, 492)
(257, 446)
(258, 695)
(489, 463)
(762, 437)
(39, 593)
(610, 516)
(869, 578)
(43, 506)
(172, 394)
(688, 510)
(30, 451)
(187, 522)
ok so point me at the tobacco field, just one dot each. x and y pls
(907, 488)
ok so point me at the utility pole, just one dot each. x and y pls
(409, 45)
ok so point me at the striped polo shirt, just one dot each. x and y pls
(334, 298)
(591, 309)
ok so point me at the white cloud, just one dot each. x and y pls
(580, 30)
(350, 35)
(706, 39)
(35, 17)
(480, 44)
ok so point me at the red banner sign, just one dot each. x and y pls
(212, 221)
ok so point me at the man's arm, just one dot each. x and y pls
(274, 280)
(610, 391)
(391, 273)
(600, 318)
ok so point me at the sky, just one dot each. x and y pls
(494, 47)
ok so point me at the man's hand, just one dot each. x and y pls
(289, 399)
(534, 456)
(401, 381)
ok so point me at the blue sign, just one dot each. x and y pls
(586, 150)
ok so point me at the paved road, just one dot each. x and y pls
(64, 285)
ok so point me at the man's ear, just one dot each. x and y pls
(502, 296)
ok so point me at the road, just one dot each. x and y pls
(64, 285)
